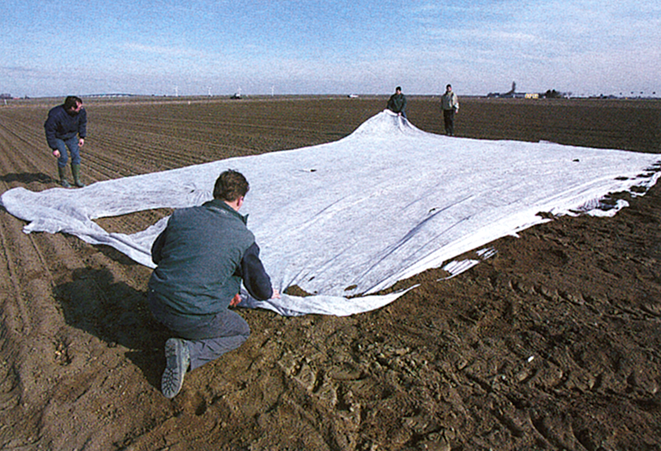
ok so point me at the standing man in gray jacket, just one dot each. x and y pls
(202, 257)
(450, 106)
(66, 128)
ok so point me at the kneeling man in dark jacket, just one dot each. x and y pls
(202, 257)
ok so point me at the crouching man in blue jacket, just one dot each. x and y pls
(66, 128)
(202, 257)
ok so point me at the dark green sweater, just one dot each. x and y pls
(397, 103)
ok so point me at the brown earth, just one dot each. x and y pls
(554, 343)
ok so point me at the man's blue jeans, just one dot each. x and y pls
(72, 145)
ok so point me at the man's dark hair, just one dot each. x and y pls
(71, 102)
(398, 88)
(448, 86)
(230, 185)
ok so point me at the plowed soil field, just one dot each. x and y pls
(554, 343)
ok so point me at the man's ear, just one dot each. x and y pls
(239, 201)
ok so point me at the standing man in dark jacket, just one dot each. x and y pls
(397, 102)
(450, 106)
(66, 127)
(202, 256)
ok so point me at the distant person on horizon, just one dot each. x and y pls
(450, 106)
(66, 128)
(397, 102)
(202, 256)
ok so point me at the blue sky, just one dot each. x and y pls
(164, 47)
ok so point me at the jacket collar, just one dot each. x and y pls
(219, 204)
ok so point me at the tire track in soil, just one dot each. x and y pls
(36, 271)
(27, 307)
(28, 289)
(11, 165)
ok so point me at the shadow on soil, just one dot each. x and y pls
(27, 178)
(117, 314)
(117, 256)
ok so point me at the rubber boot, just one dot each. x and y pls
(75, 170)
(63, 177)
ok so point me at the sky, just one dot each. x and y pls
(200, 47)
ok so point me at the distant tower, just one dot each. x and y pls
(511, 92)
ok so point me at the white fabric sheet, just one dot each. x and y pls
(347, 219)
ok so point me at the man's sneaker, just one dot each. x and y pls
(65, 183)
(177, 359)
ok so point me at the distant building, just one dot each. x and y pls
(512, 94)
(5, 96)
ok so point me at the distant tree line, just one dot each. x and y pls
(552, 94)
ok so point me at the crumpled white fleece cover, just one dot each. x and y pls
(346, 219)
